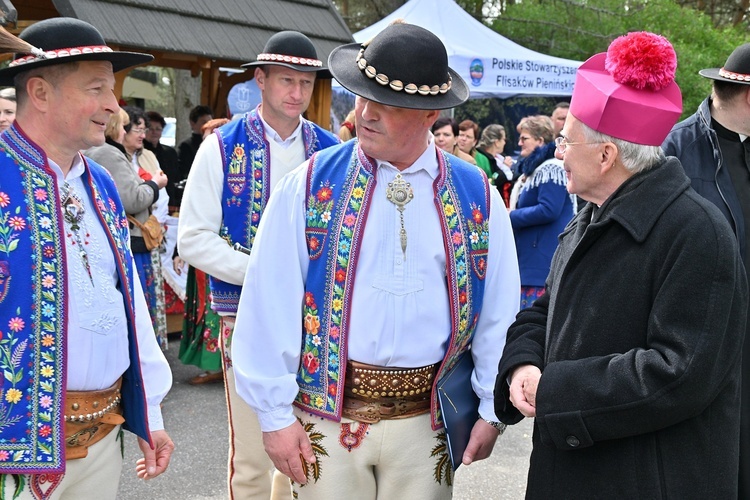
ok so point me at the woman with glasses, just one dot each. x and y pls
(138, 195)
(540, 205)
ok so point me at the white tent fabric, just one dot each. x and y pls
(491, 65)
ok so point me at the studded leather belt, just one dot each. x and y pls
(374, 393)
(89, 417)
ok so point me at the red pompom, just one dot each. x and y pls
(642, 60)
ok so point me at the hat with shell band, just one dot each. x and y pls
(404, 66)
(60, 40)
(629, 92)
(735, 70)
(292, 50)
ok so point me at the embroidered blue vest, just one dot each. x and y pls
(340, 184)
(34, 302)
(245, 154)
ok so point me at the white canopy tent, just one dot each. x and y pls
(491, 65)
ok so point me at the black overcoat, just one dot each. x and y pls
(638, 338)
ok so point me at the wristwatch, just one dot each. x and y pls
(497, 425)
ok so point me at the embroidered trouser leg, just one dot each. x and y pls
(402, 458)
(249, 468)
(96, 476)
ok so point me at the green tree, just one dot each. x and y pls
(579, 29)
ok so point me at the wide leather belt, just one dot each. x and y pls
(374, 393)
(89, 417)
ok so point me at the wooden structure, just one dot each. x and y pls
(199, 36)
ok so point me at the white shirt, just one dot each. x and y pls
(198, 239)
(97, 324)
(400, 315)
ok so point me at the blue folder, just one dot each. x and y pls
(459, 406)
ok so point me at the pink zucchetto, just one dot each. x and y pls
(629, 92)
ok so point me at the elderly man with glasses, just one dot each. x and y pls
(630, 361)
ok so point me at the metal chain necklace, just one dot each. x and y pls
(73, 210)
(399, 192)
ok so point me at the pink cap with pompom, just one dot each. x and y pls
(629, 92)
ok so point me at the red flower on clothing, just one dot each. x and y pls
(324, 194)
(332, 389)
(45, 430)
(340, 275)
(481, 264)
(306, 399)
(314, 243)
(310, 363)
(309, 299)
(477, 215)
(462, 298)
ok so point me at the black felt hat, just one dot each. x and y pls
(736, 69)
(404, 66)
(292, 50)
(61, 40)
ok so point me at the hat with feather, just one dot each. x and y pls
(60, 40)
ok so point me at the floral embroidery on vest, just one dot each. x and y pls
(330, 279)
(32, 338)
(247, 167)
(318, 215)
(33, 318)
(236, 176)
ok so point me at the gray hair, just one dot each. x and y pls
(634, 157)
(8, 93)
(490, 134)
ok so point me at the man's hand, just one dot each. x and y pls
(481, 442)
(286, 448)
(523, 385)
(155, 461)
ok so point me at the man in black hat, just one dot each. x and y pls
(715, 153)
(230, 182)
(78, 351)
(401, 257)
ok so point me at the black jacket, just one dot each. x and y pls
(638, 339)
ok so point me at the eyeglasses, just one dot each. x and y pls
(524, 138)
(138, 131)
(562, 143)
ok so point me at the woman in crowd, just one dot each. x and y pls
(7, 107)
(199, 345)
(138, 195)
(540, 205)
(491, 146)
(145, 164)
(445, 130)
(468, 133)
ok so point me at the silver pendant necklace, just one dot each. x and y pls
(73, 210)
(399, 192)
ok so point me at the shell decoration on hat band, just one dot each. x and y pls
(290, 59)
(57, 53)
(398, 85)
(734, 76)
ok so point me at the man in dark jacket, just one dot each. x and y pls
(186, 150)
(166, 156)
(630, 362)
(713, 150)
